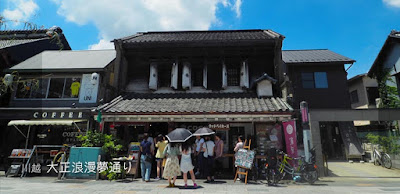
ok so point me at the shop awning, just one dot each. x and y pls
(45, 122)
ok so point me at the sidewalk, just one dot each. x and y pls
(346, 178)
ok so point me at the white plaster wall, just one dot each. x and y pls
(264, 88)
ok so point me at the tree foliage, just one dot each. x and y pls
(387, 93)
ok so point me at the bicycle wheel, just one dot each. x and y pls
(311, 176)
(387, 162)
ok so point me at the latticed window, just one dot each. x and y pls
(233, 75)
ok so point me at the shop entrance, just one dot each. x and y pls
(332, 142)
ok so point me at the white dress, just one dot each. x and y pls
(186, 161)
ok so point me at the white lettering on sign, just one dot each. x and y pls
(53, 115)
(219, 126)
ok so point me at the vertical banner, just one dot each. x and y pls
(290, 138)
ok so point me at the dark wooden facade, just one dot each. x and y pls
(335, 96)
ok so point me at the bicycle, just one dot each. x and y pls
(307, 170)
(381, 158)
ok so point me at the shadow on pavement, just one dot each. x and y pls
(216, 182)
(126, 181)
(72, 181)
(189, 187)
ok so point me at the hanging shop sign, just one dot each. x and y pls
(58, 115)
(89, 88)
(219, 126)
(290, 138)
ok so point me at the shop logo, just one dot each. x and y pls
(289, 129)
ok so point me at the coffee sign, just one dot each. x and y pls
(57, 115)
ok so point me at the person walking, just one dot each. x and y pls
(208, 148)
(186, 164)
(239, 145)
(160, 145)
(172, 168)
(219, 151)
(145, 158)
(199, 153)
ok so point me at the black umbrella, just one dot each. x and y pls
(179, 135)
(203, 131)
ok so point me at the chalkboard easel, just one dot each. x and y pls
(246, 170)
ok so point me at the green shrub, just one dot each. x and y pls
(389, 144)
(108, 143)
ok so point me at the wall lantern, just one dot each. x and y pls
(8, 79)
(95, 78)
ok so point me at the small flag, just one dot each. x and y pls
(98, 117)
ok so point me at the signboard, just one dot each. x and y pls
(244, 158)
(58, 115)
(219, 126)
(290, 138)
(89, 89)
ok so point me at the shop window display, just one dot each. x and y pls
(49, 88)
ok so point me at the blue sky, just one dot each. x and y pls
(353, 28)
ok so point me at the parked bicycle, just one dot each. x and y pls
(306, 170)
(381, 158)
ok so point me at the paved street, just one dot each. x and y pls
(345, 178)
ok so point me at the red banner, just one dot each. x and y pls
(290, 138)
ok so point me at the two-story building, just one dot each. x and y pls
(225, 80)
(363, 95)
(53, 94)
(319, 77)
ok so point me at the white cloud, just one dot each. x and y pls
(119, 18)
(103, 44)
(20, 10)
(394, 3)
(236, 7)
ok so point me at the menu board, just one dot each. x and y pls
(244, 158)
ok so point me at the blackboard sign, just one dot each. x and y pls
(244, 158)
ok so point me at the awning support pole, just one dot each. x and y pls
(20, 131)
(76, 125)
(27, 137)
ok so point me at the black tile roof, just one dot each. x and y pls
(216, 36)
(9, 38)
(392, 39)
(313, 56)
(194, 104)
